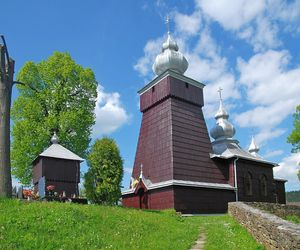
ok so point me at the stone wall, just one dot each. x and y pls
(268, 229)
(280, 210)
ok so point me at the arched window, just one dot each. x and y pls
(263, 185)
(248, 184)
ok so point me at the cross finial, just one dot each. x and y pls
(141, 173)
(168, 23)
(220, 93)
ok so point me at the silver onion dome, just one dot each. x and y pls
(223, 128)
(170, 58)
(54, 138)
(253, 148)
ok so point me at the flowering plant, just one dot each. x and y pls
(27, 193)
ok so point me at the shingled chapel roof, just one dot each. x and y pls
(58, 151)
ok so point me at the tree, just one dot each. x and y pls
(7, 66)
(102, 181)
(59, 95)
(294, 137)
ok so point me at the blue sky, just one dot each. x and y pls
(249, 48)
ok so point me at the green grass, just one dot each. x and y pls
(293, 218)
(41, 225)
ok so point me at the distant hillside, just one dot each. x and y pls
(293, 196)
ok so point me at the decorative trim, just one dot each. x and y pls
(245, 158)
(184, 184)
(279, 179)
(173, 74)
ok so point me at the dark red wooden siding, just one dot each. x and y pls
(202, 200)
(257, 170)
(280, 191)
(192, 147)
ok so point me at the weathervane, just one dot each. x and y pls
(168, 23)
(220, 93)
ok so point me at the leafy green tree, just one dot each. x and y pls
(102, 181)
(59, 95)
(294, 137)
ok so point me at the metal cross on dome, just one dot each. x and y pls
(220, 92)
(168, 23)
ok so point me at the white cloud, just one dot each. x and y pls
(288, 169)
(151, 50)
(273, 153)
(233, 14)
(256, 21)
(110, 113)
(189, 25)
(272, 88)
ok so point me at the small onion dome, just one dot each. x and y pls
(170, 58)
(54, 138)
(253, 148)
(223, 128)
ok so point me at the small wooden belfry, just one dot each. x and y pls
(58, 167)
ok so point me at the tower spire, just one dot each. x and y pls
(253, 148)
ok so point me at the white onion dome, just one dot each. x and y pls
(223, 128)
(253, 148)
(54, 138)
(170, 58)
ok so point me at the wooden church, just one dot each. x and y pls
(58, 167)
(176, 165)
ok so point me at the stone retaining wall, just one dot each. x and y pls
(280, 210)
(268, 229)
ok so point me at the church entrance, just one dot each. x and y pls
(143, 199)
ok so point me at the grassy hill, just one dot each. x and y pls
(42, 225)
(293, 196)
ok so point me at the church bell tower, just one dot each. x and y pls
(172, 167)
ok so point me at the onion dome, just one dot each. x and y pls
(223, 128)
(54, 138)
(253, 148)
(170, 58)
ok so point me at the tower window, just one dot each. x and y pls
(248, 184)
(153, 89)
(186, 85)
(263, 185)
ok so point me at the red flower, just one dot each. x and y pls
(27, 193)
(50, 188)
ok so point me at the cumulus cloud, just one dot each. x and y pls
(234, 14)
(151, 50)
(189, 25)
(109, 111)
(288, 169)
(272, 89)
(257, 21)
(273, 153)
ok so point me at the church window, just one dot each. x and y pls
(248, 183)
(263, 185)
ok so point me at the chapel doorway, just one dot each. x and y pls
(143, 199)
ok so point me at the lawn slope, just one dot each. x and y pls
(42, 225)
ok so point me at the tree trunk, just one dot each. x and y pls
(6, 83)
